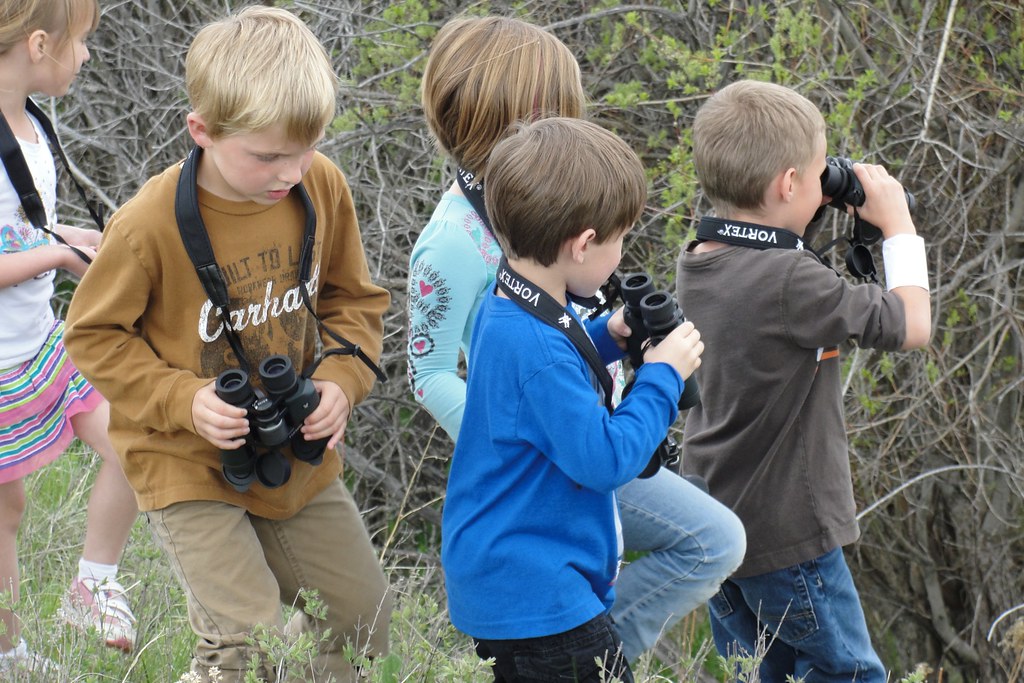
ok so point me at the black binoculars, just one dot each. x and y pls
(652, 314)
(275, 420)
(839, 182)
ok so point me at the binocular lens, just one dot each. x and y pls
(272, 469)
(233, 387)
(277, 374)
(635, 287)
(311, 452)
(659, 311)
(237, 466)
(834, 181)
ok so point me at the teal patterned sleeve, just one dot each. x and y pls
(451, 267)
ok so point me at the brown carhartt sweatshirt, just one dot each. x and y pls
(142, 330)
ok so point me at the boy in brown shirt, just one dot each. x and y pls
(769, 435)
(279, 218)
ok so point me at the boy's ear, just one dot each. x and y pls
(786, 181)
(578, 245)
(38, 41)
(198, 130)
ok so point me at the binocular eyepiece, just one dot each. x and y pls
(653, 314)
(839, 182)
(275, 421)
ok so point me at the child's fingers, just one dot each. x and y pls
(220, 423)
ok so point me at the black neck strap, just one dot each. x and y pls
(474, 193)
(859, 262)
(543, 306)
(742, 234)
(200, 251)
(21, 177)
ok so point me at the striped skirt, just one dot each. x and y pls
(37, 400)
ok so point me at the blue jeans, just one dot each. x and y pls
(692, 542)
(569, 657)
(808, 616)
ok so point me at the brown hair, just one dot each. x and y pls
(484, 74)
(745, 135)
(258, 68)
(19, 18)
(554, 178)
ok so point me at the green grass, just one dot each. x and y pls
(424, 646)
(49, 545)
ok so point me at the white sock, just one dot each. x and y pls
(95, 572)
(19, 650)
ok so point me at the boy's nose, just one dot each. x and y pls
(291, 173)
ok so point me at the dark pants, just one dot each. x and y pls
(591, 653)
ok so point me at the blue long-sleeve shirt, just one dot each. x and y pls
(529, 532)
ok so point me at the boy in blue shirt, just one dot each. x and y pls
(530, 543)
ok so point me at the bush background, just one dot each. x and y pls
(931, 89)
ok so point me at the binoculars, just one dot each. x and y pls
(839, 182)
(275, 420)
(652, 314)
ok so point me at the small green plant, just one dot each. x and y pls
(289, 651)
(214, 676)
(424, 645)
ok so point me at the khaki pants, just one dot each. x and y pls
(238, 569)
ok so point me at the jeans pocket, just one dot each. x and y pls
(795, 619)
(719, 605)
(793, 627)
(579, 656)
(538, 666)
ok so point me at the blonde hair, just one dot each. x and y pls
(745, 135)
(19, 18)
(259, 68)
(552, 179)
(485, 73)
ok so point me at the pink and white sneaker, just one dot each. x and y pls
(103, 608)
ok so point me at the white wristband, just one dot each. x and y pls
(905, 262)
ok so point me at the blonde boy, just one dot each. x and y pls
(142, 328)
(769, 435)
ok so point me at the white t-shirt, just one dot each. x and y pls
(25, 313)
